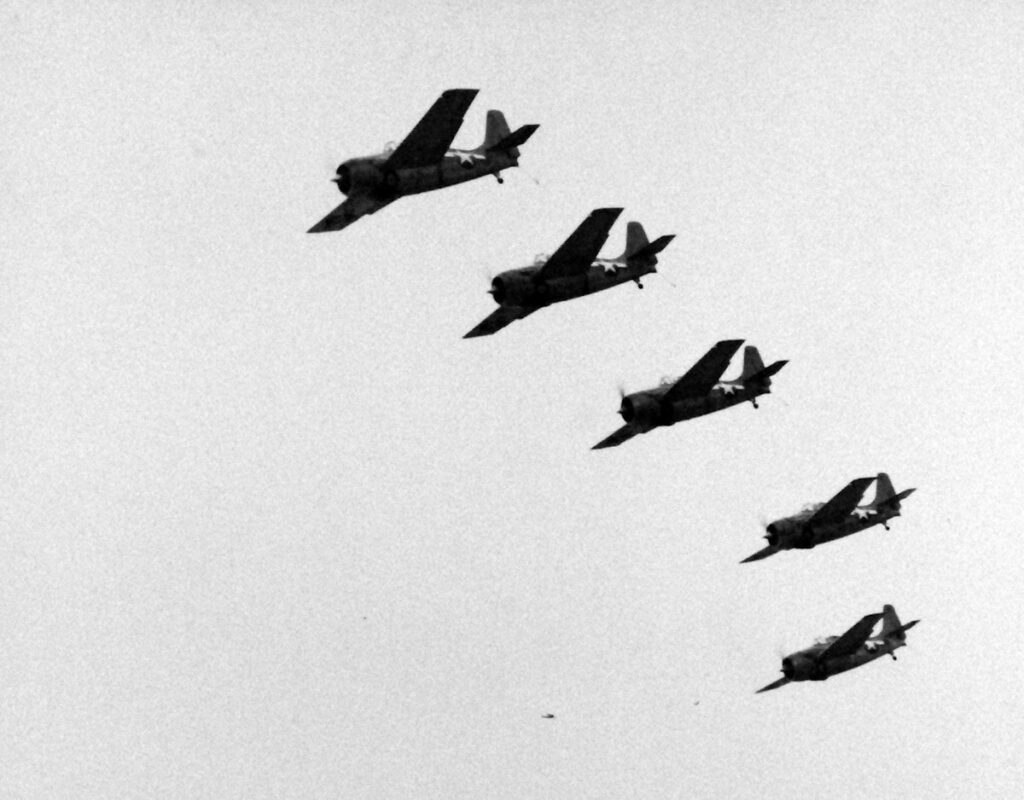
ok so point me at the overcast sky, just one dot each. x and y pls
(270, 528)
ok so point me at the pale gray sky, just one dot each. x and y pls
(271, 529)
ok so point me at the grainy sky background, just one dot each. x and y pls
(270, 528)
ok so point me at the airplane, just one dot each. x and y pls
(841, 516)
(835, 654)
(700, 391)
(424, 161)
(573, 270)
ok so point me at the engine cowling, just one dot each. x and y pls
(514, 289)
(641, 409)
(360, 176)
(786, 534)
(800, 667)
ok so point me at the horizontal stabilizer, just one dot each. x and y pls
(653, 248)
(902, 629)
(514, 139)
(766, 373)
(895, 499)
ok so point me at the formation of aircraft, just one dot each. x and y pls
(424, 161)
(841, 516)
(700, 391)
(856, 647)
(573, 270)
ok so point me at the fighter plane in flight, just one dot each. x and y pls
(839, 517)
(700, 391)
(424, 161)
(573, 270)
(835, 654)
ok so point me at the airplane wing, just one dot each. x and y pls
(774, 685)
(578, 252)
(430, 139)
(705, 373)
(348, 212)
(770, 550)
(625, 433)
(849, 642)
(843, 503)
(505, 315)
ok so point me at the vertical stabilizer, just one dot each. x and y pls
(883, 489)
(891, 624)
(752, 363)
(497, 129)
(636, 240)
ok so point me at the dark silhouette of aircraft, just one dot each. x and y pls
(835, 654)
(700, 391)
(574, 270)
(839, 517)
(424, 161)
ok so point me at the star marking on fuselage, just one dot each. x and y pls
(863, 513)
(607, 266)
(727, 388)
(465, 157)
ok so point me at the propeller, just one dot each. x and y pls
(330, 163)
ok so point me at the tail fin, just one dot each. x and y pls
(636, 240)
(886, 495)
(637, 246)
(498, 136)
(752, 363)
(497, 129)
(892, 628)
(883, 489)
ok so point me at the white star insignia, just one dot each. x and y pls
(727, 388)
(862, 513)
(608, 266)
(465, 159)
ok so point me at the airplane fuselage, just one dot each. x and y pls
(370, 175)
(798, 532)
(517, 287)
(805, 666)
(648, 410)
